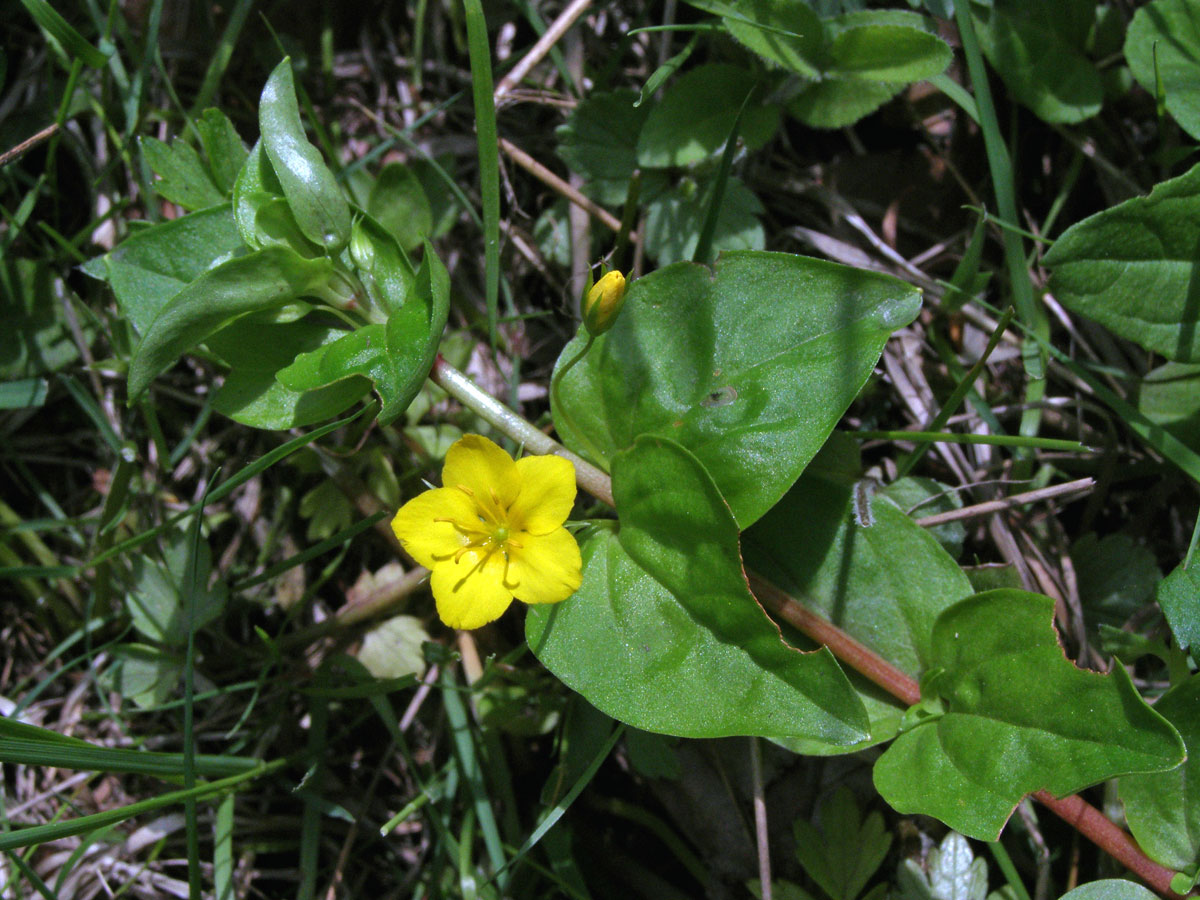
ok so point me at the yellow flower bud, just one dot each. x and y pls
(603, 303)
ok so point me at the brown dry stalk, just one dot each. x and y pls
(991, 506)
(556, 30)
(552, 181)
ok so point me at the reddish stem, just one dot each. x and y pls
(1073, 809)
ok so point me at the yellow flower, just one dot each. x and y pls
(603, 302)
(494, 531)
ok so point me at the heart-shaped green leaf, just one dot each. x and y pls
(1020, 718)
(749, 365)
(664, 633)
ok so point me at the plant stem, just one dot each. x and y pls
(499, 416)
(560, 410)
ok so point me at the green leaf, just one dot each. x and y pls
(599, 141)
(156, 599)
(858, 573)
(142, 674)
(183, 177)
(846, 851)
(275, 226)
(396, 357)
(311, 190)
(392, 649)
(838, 102)
(1038, 49)
(674, 220)
(1179, 597)
(265, 279)
(664, 633)
(1021, 717)
(888, 52)
(1117, 576)
(748, 364)
(255, 352)
(1170, 396)
(696, 115)
(26, 393)
(149, 268)
(399, 204)
(61, 31)
(919, 497)
(1163, 41)
(255, 187)
(1110, 889)
(816, 545)
(783, 32)
(386, 272)
(1163, 809)
(951, 872)
(37, 336)
(1133, 268)
(225, 151)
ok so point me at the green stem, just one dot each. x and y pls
(465, 391)
(560, 411)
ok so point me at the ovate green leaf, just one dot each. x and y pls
(1170, 396)
(888, 52)
(311, 190)
(599, 141)
(1163, 809)
(838, 102)
(1163, 42)
(149, 268)
(696, 115)
(255, 351)
(848, 553)
(399, 204)
(1038, 49)
(674, 221)
(1133, 268)
(749, 365)
(1179, 597)
(262, 280)
(1110, 889)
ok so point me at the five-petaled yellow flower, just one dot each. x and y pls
(493, 531)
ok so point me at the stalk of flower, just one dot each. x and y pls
(601, 305)
(493, 531)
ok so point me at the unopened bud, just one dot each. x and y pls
(603, 303)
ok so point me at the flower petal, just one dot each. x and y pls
(547, 494)
(427, 540)
(483, 467)
(468, 593)
(546, 568)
